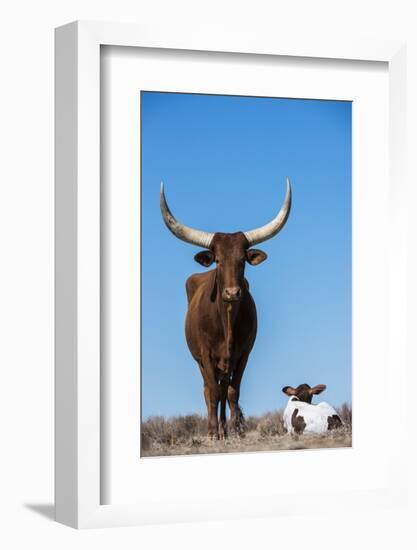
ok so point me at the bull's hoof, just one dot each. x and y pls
(238, 433)
(236, 427)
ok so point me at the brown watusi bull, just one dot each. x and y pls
(221, 321)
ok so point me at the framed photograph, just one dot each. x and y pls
(245, 140)
(228, 214)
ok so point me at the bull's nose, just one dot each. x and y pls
(232, 293)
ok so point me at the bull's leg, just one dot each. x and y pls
(233, 392)
(233, 399)
(211, 395)
(222, 424)
(211, 398)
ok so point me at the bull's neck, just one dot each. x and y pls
(228, 312)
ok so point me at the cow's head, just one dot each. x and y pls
(230, 251)
(303, 392)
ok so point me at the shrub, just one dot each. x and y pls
(345, 413)
(271, 424)
(251, 423)
(158, 430)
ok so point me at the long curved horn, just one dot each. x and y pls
(187, 234)
(269, 230)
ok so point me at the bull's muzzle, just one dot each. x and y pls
(232, 294)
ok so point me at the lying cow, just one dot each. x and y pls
(301, 416)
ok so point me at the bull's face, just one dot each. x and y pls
(230, 252)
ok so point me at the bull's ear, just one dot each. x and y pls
(255, 256)
(205, 257)
(317, 389)
(289, 390)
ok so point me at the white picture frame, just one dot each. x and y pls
(78, 406)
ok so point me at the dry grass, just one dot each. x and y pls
(186, 435)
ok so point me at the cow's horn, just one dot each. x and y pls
(187, 234)
(273, 227)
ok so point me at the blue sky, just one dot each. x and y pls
(224, 160)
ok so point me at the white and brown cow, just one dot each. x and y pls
(300, 416)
